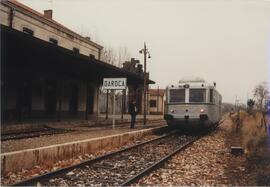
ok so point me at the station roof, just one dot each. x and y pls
(24, 52)
(156, 92)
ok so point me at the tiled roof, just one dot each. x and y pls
(155, 92)
(40, 15)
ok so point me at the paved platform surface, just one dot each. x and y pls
(81, 131)
(127, 116)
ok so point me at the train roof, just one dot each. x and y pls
(193, 83)
(191, 79)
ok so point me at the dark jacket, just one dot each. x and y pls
(132, 109)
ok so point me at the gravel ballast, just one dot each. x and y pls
(207, 162)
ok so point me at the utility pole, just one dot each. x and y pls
(145, 51)
(144, 86)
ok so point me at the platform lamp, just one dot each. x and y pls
(145, 52)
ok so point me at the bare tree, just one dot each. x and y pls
(261, 94)
(250, 105)
(115, 57)
(123, 55)
(108, 56)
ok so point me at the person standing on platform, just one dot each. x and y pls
(133, 112)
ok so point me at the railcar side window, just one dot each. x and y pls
(197, 95)
(177, 96)
(215, 97)
(211, 96)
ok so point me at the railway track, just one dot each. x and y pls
(122, 167)
(35, 133)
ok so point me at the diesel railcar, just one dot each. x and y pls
(192, 103)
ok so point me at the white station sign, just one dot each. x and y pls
(114, 83)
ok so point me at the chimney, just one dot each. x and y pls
(48, 14)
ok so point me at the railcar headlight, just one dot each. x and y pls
(172, 110)
(202, 110)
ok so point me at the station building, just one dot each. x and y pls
(156, 101)
(47, 70)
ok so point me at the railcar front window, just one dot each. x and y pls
(177, 96)
(197, 95)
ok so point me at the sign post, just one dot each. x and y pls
(113, 109)
(114, 84)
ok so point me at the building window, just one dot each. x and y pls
(28, 31)
(53, 41)
(153, 103)
(91, 56)
(76, 50)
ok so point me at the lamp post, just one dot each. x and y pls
(145, 51)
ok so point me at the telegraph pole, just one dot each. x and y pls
(145, 51)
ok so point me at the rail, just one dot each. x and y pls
(33, 181)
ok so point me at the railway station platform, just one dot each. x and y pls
(78, 138)
(93, 121)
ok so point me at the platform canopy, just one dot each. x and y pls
(26, 53)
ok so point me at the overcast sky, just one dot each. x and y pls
(226, 41)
